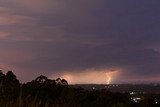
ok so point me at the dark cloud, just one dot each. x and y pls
(52, 36)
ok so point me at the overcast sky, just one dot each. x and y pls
(81, 40)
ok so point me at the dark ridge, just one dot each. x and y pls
(44, 92)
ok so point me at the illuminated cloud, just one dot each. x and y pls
(54, 36)
(3, 34)
(89, 76)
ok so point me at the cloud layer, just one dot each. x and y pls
(52, 37)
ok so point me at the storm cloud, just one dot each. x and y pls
(51, 37)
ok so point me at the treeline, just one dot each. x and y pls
(44, 92)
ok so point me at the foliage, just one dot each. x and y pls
(44, 92)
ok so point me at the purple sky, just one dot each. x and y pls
(84, 41)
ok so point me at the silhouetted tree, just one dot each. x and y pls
(2, 77)
(41, 79)
(60, 81)
(2, 83)
(10, 87)
(64, 82)
(44, 92)
(11, 78)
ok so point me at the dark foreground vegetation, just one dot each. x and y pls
(44, 92)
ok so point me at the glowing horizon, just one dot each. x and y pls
(90, 76)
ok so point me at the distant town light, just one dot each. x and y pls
(136, 99)
(132, 93)
(93, 88)
(156, 102)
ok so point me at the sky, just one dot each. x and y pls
(83, 41)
